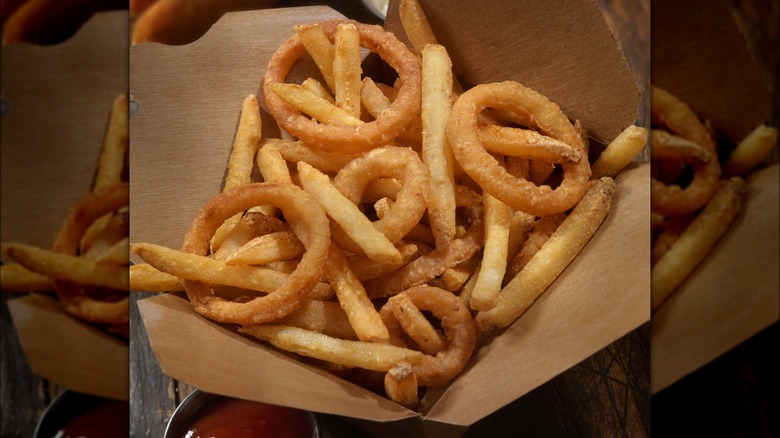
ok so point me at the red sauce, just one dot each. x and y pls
(108, 419)
(234, 418)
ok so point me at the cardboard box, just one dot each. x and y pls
(190, 98)
(59, 101)
(700, 55)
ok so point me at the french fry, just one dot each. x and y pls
(416, 325)
(294, 151)
(751, 151)
(401, 385)
(320, 49)
(17, 278)
(697, 240)
(620, 152)
(117, 254)
(145, 278)
(528, 144)
(366, 355)
(241, 159)
(326, 317)
(61, 266)
(273, 168)
(556, 254)
(667, 146)
(362, 315)
(437, 155)
(416, 25)
(357, 226)
(494, 254)
(112, 156)
(541, 231)
(194, 267)
(316, 107)
(282, 245)
(346, 69)
(315, 87)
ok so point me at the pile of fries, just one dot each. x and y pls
(88, 264)
(376, 244)
(694, 199)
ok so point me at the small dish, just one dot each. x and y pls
(207, 412)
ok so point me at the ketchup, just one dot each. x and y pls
(235, 418)
(107, 419)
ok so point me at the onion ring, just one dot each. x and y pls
(338, 137)
(310, 224)
(459, 333)
(68, 239)
(670, 200)
(410, 201)
(464, 136)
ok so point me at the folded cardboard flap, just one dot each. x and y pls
(563, 50)
(59, 99)
(69, 352)
(699, 54)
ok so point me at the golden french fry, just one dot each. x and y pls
(61, 266)
(273, 168)
(326, 317)
(556, 254)
(366, 355)
(295, 151)
(145, 278)
(454, 278)
(437, 154)
(667, 146)
(416, 325)
(357, 226)
(15, 277)
(363, 316)
(525, 143)
(416, 25)
(241, 159)
(104, 233)
(541, 231)
(320, 49)
(112, 157)
(539, 171)
(620, 152)
(751, 150)
(520, 225)
(401, 385)
(494, 254)
(697, 240)
(315, 87)
(282, 245)
(313, 105)
(194, 267)
(346, 68)
(117, 254)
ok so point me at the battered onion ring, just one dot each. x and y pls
(68, 240)
(670, 200)
(410, 202)
(459, 333)
(310, 224)
(463, 134)
(350, 139)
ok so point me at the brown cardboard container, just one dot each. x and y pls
(59, 100)
(699, 54)
(190, 98)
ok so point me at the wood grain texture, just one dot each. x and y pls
(152, 395)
